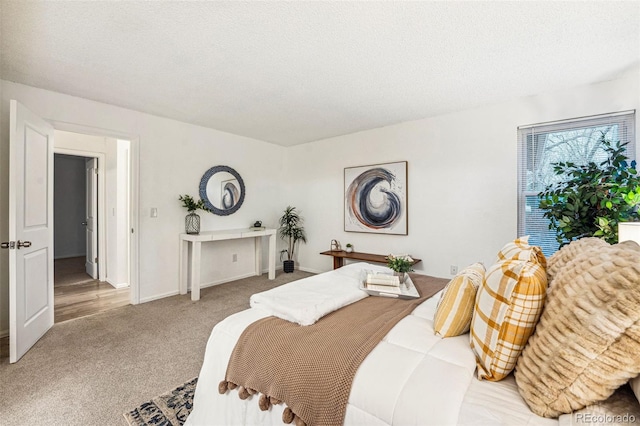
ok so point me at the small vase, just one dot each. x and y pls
(349, 249)
(402, 276)
(192, 223)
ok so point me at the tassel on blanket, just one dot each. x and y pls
(264, 402)
(288, 416)
(223, 386)
(243, 393)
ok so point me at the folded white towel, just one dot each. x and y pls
(306, 301)
(383, 279)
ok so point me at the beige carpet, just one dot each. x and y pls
(90, 370)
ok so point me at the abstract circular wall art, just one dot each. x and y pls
(376, 198)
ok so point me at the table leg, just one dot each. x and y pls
(257, 242)
(184, 255)
(338, 262)
(272, 256)
(195, 270)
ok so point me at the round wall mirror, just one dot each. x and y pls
(222, 190)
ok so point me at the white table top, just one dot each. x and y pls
(228, 234)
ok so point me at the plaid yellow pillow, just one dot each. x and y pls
(455, 308)
(508, 306)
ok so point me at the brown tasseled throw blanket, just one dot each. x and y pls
(311, 368)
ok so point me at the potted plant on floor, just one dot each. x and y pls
(291, 231)
(192, 220)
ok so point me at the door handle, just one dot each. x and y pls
(25, 244)
(83, 223)
(8, 245)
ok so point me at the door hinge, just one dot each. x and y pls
(96, 260)
(95, 170)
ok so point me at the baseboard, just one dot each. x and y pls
(121, 285)
(311, 270)
(159, 296)
(266, 270)
(226, 280)
(68, 256)
(4, 333)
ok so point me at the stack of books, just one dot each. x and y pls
(383, 282)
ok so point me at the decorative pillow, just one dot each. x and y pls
(587, 343)
(455, 308)
(568, 252)
(519, 249)
(508, 305)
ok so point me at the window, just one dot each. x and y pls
(541, 145)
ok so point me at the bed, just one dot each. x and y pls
(412, 377)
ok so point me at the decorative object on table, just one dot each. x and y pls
(335, 245)
(192, 220)
(590, 200)
(400, 264)
(292, 231)
(222, 190)
(349, 248)
(381, 284)
(376, 198)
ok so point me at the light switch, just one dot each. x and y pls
(154, 212)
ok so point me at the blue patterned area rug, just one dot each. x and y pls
(169, 409)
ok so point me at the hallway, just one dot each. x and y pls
(77, 295)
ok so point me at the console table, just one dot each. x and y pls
(340, 256)
(196, 241)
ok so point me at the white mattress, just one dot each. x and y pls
(412, 377)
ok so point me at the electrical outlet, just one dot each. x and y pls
(453, 269)
(234, 258)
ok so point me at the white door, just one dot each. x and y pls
(91, 223)
(30, 230)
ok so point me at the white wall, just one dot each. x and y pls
(69, 206)
(172, 158)
(462, 173)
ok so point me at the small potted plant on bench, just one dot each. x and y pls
(349, 248)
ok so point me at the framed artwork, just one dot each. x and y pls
(375, 198)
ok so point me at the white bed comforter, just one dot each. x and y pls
(412, 377)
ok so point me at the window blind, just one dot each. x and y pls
(543, 144)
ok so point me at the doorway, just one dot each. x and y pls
(91, 222)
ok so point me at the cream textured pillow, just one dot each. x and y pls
(455, 308)
(568, 252)
(508, 305)
(635, 386)
(587, 343)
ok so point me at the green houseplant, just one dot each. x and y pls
(400, 265)
(192, 220)
(592, 198)
(291, 231)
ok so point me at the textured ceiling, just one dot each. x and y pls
(293, 72)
